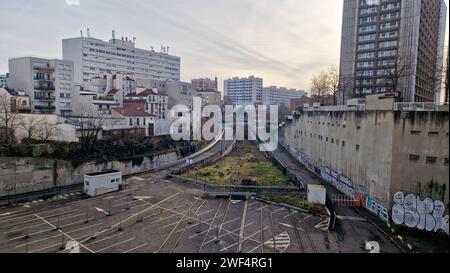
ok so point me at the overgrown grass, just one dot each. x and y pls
(245, 163)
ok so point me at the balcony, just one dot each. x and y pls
(43, 107)
(43, 68)
(50, 98)
(44, 88)
(44, 80)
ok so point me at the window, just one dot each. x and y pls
(415, 132)
(446, 161)
(414, 158)
(431, 160)
(113, 180)
(433, 134)
(358, 147)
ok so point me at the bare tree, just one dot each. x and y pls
(8, 119)
(319, 85)
(399, 70)
(47, 130)
(32, 126)
(333, 81)
(346, 84)
(89, 123)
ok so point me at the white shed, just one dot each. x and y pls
(102, 182)
(316, 194)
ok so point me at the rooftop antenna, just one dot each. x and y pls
(81, 33)
(168, 49)
(114, 35)
(152, 49)
(134, 39)
(88, 33)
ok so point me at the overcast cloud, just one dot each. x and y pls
(283, 41)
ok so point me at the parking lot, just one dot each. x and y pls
(154, 215)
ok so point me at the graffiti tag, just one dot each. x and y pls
(424, 214)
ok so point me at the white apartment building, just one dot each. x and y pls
(281, 96)
(48, 82)
(93, 57)
(243, 91)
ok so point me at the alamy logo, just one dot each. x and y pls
(192, 125)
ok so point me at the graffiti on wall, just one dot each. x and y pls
(424, 214)
(340, 182)
(377, 207)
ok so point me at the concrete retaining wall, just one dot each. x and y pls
(22, 175)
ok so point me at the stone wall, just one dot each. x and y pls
(21, 175)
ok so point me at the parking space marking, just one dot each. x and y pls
(117, 244)
(290, 214)
(210, 226)
(69, 232)
(135, 248)
(176, 226)
(104, 239)
(281, 242)
(54, 245)
(259, 231)
(277, 210)
(62, 232)
(305, 218)
(290, 226)
(244, 218)
(60, 219)
(263, 207)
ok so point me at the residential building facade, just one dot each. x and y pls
(204, 84)
(209, 97)
(93, 57)
(393, 46)
(3, 79)
(156, 102)
(280, 95)
(48, 82)
(243, 91)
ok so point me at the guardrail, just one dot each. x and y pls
(419, 106)
(225, 190)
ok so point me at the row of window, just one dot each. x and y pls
(379, 54)
(374, 27)
(430, 160)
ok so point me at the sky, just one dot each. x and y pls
(283, 41)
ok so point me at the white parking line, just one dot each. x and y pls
(290, 214)
(106, 238)
(15, 230)
(290, 226)
(51, 229)
(225, 248)
(114, 245)
(277, 210)
(244, 217)
(207, 221)
(135, 248)
(266, 206)
(69, 232)
(62, 232)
